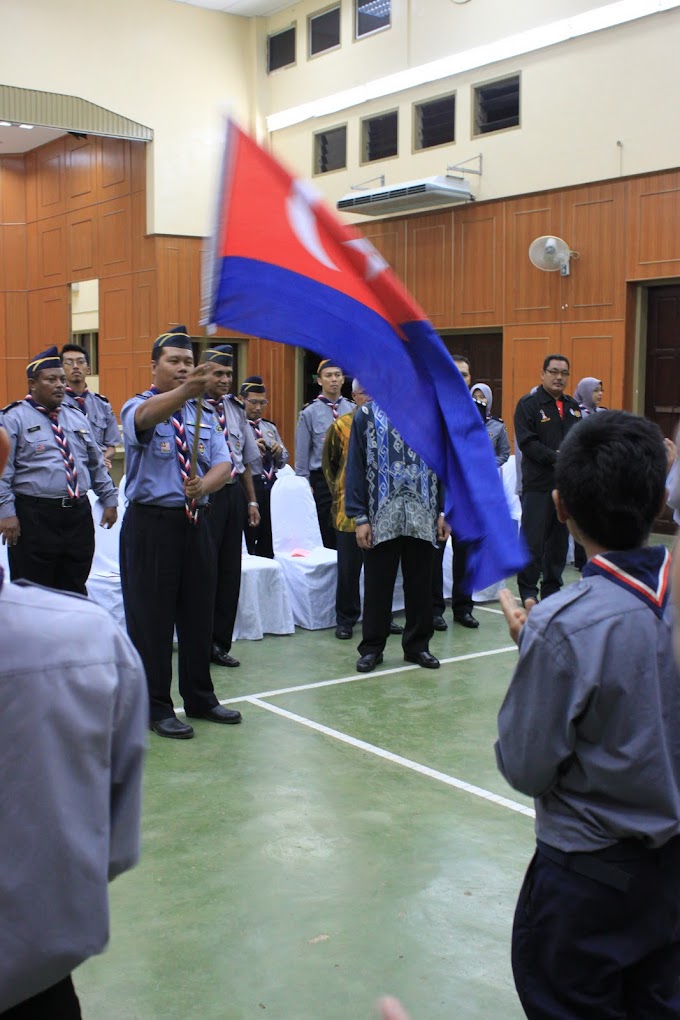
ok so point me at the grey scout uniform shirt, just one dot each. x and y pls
(101, 418)
(74, 795)
(242, 445)
(270, 434)
(153, 475)
(313, 424)
(35, 466)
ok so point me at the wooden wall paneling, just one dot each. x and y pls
(531, 295)
(12, 189)
(81, 172)
(653, 217)
(389, 238)
(31, 183)
(82, 231)
(478, 265)
(47, 253)
(144, 312)
(116, 338)
(4, 399)
(49, 318)
(594, 226)
(13, 256)
(51, 179)
(429, 275)
(597, 349)
(168, 262)
(143, 249)
(524, 348)
(138, 153)
(115, 237)
(116, 379)
(114, 176)
(193, 256)
(16, 326)
(15, 375)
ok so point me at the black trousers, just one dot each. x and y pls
(59, 1002)
(380, 572)
(323, 500)
(547, 540)
(585, 950)
(461, 600)
(259, 539)
(347, 591)
(226, 520)
(167, 573)
(56, 544)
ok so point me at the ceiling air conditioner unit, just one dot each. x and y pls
(411, 196)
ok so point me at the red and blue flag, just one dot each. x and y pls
(284, 268)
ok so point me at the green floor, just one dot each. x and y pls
(289, 874)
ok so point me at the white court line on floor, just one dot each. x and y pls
(360, 676)
(414, 766)
(487, 609)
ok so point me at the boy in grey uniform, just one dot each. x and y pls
(590, 727)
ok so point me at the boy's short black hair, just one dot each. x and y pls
(74, 347)
(554, 357)
(611, 475)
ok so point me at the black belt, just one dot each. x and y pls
(62, 501)
(159, 509)
(600, 865)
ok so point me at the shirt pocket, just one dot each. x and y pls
(38, 441)
(164, 440)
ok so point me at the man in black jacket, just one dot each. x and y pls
(542, 420)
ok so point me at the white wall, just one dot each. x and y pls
(173, 67)
(577, 100)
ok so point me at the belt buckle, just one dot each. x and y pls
(66, 502)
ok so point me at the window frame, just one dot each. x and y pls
(367, 35)
(317, 14)
(363, 159)
(316, 134)
(415, 106)
(474, 133)
(272, 35)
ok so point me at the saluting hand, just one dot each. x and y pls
(10, 529)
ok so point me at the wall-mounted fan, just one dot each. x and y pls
(551, 254)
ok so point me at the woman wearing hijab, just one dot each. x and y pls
(589, 395)
(482, 396)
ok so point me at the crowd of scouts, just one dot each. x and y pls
(589, 726)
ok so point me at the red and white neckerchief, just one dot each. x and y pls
(333, 406)
(222, 419)
(644, 572)
(268, 469)
(183, 455)
(78, 397)
(72, 486)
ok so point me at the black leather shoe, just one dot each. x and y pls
(368, 662)
(424, 659)
(396, 628)
(221, 656)
(218, 714)
(343, 633)
(172, 727)
(466, 620)
(439, 623)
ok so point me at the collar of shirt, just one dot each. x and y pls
(644, 572)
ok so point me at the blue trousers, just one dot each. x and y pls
(586, 949)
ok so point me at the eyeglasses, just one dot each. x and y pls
(557, 371)
(256, 403)
(73, 362)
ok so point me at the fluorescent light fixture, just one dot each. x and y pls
(5, 123)
(479, 56)
(27, 127)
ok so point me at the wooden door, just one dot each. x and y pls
(662, 381)
(485, 352)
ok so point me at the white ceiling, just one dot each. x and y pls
(246, 8)
(16, 139)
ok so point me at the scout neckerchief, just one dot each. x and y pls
(183, 455)
(643, 572)
(333, 406)
(267, 461)
(72, 486)
(78, 397)
(222, 419)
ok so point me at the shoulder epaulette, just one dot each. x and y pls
(269, 422)
(495, 418)
(15, 403)
(76, 407)
(103, 398)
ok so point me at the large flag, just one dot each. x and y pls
(284, 268)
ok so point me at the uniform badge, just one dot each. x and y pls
(201, 447)
(39, 447)
(576, 414)
(218, 427)
(544, 416)
(165, 446)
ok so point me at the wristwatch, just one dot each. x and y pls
(255, 504)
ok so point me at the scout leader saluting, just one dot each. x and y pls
(167, 562)
(45, 516)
